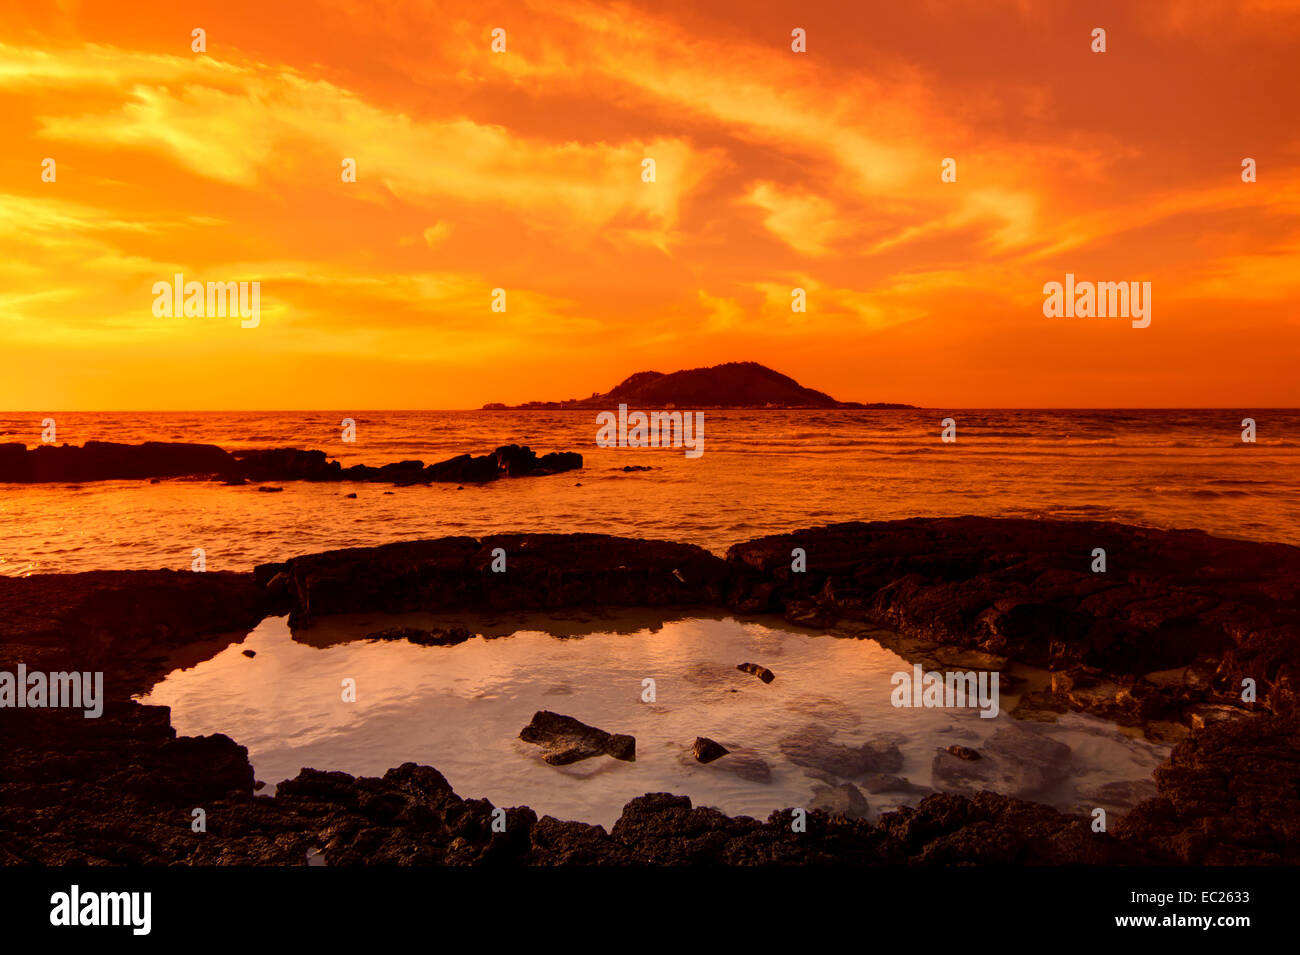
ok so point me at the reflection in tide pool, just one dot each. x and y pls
(460, 709)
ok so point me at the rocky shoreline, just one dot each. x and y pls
(1163, 640)
(155, 460)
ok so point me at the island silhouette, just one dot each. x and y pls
(736, 384)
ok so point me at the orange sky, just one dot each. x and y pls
(522, 170)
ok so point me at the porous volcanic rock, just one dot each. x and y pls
(543, 572)
(1141, 640)
(1024, 589)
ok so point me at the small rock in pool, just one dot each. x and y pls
(270, 490)
(354, 494)
(762, 672)
(963, 752)
(706, 750)
(250, 653)
(566, 740)
(389, 492)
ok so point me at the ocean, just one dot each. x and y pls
(761, 472)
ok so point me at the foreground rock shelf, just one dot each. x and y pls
(1164, 638)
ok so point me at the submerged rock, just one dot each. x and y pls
(886, 783)
(1015, 760)
(747, 766)
(741, 762)
(812, 747)
(844, 800)
(566, 740)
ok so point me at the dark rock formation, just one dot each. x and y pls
(120, 789)
(436, 637)
(110, 461)
(706, 750)
(565, 740)
(1024, 589)
(544, 571)
(124, 622)
(1229, 795)
(103, 461)
(737, 384)
(512, 460)
(286, 464)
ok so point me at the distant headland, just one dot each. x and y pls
(737, 384)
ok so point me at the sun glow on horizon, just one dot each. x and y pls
(524, 171)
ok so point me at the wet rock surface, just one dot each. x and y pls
(706, 750)
(814, 747)
(565, 740)
(1163, 640)
(762, 672)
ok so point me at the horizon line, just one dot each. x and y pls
(1295, 408)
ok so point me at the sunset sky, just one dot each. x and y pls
(523, 170)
